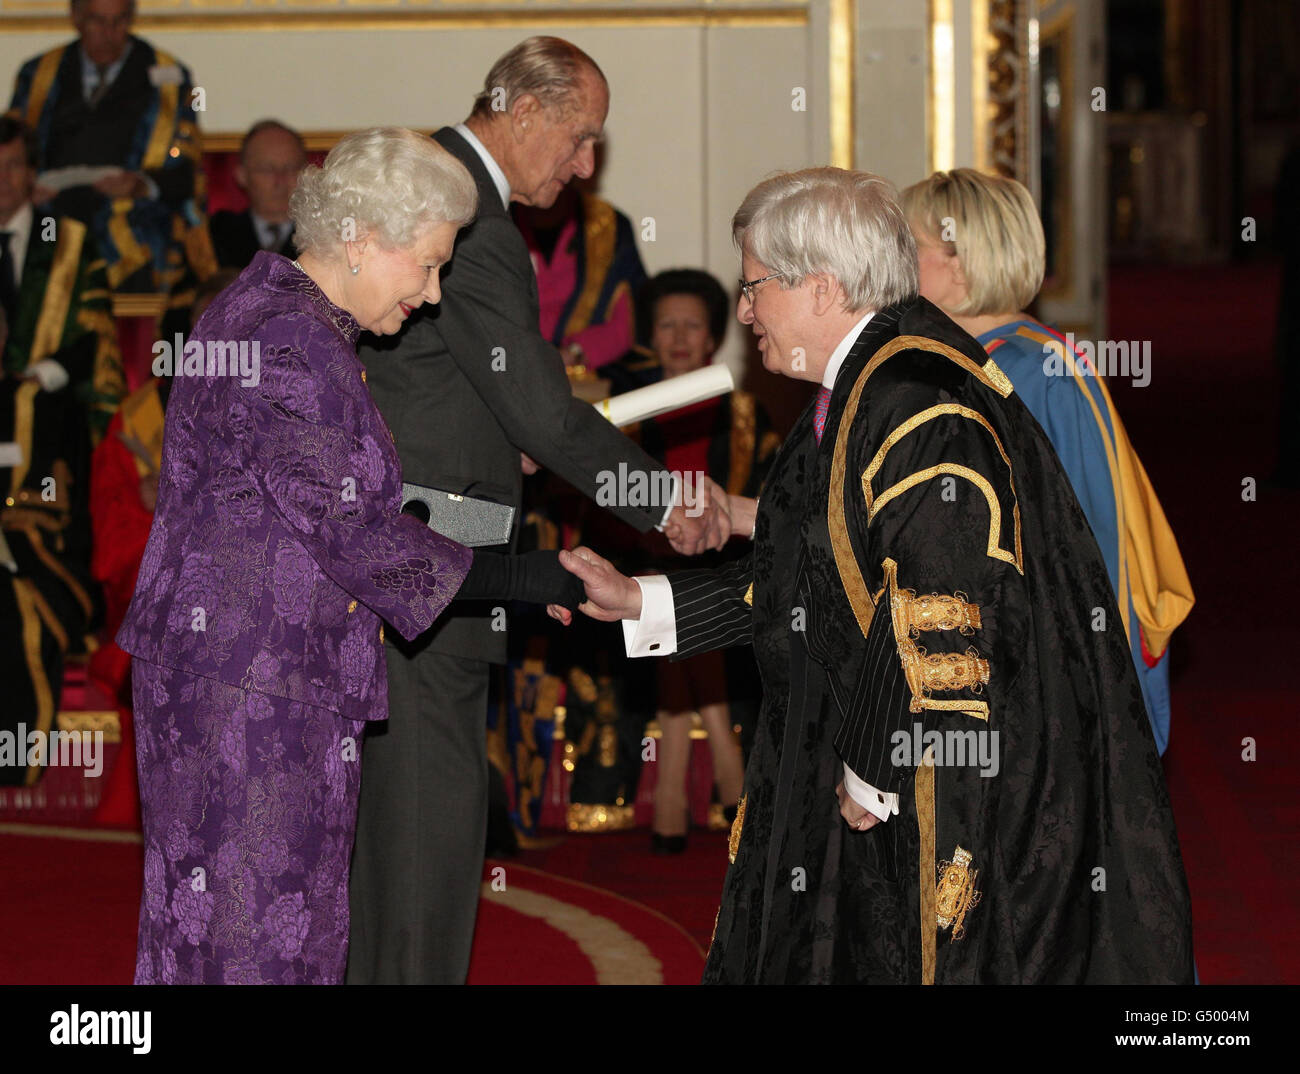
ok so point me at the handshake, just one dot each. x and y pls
(565, 582)
(582, 580)
(610, 594)
(715, 517)
(701, 520)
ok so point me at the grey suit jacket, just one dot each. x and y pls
(470, 383)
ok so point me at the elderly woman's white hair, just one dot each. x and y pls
(828, 220)
(388, 181)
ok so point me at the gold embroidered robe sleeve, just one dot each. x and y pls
(931, 527)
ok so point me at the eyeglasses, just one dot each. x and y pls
(747, 286)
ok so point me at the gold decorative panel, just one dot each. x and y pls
(1003, 133)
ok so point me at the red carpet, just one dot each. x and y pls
(1207, 421)
(69, 901)
(543, 929)
(684, 888)
(68, 908)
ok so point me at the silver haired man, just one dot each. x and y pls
(465, 390)
(921, 599)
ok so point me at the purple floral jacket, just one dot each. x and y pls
(277, 546)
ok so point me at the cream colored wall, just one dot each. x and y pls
(698, 113)
(890, 129)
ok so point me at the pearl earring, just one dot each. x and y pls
(356, 269)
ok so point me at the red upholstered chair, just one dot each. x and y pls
(219, 166)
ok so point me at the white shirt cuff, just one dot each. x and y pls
(50, 373)
(655, 633)
(673, 500)
(151, 190)
(873, 801)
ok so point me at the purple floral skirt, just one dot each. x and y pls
(250, 808)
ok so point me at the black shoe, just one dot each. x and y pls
(667, 844)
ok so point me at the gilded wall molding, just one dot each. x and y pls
(941, 86)
(998, 88)
(843, 31)
(319, 141)
(1002, 129)
(45, 16)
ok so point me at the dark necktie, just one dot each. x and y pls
(101, 87)
(8, 278)
(276, 233)
(819, 414)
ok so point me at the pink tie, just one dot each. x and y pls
(819, 414)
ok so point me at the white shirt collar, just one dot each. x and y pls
(20, 230)
(90, 72)
(842, 351)
(263, 229)
(499, 179)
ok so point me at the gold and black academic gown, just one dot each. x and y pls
(926, 568)
(64, 313)
(145, 122)
(48, 603)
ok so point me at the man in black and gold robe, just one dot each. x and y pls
(47, 600)
(54, 292)
(923, 587)
(113, 102)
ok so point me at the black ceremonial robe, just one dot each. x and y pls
(49, 602)
(924, 568)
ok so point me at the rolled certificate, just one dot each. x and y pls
(650, 402)
(60, 179)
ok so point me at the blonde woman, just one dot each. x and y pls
(981, 252)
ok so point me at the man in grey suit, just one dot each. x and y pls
(465, 389)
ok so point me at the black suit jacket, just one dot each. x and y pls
(470, 383)
(235, 241)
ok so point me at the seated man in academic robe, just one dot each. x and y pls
(47, 601)
(52, 288)
(113, 103)
(953, 777)
(270, 158)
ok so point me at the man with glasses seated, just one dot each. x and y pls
(270, 158)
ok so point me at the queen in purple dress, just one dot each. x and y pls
(277, 553)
